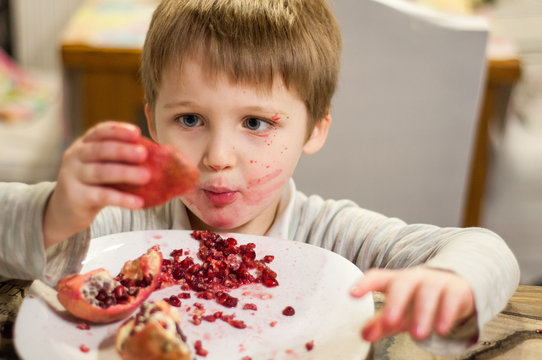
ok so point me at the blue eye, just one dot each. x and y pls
(256, 124)
(189, 120)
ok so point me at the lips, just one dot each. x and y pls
(220, 197)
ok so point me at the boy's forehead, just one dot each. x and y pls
(198, 68)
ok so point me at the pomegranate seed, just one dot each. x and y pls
(207, 295)
(539, 331)
(184, 295)
(199, 348)
(226, 300)
(120, 294)
(176, 253)
(288, 311)
(239, 324)
(272, 323)
(268, 258)
(174, 301)
(83, 326)
(250, 306)
(209, 318)
(84, 348)
(196, 319)
(309, 345)
(227, 318)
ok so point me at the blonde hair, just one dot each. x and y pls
(251, 41)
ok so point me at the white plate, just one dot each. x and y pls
(312, 280)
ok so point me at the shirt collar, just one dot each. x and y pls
(281, 225)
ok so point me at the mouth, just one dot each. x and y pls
(220, 197)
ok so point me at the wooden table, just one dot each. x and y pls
(510, 335)
(105, 84)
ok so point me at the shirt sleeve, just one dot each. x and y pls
(22, 250)
(370, 239)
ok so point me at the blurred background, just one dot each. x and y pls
(66, 64)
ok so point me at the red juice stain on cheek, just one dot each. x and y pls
(271, 136)
(264, 179)
(264, 188)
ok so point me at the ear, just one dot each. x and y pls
(318, 135)
(150, 123)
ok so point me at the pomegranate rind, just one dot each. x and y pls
(172, 174)
(151, 341)
(70, 296)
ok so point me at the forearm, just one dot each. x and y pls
(486, 262)
(22, 253)
(56, 223)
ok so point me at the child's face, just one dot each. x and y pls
(245, 142)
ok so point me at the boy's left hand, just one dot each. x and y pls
(418, 300)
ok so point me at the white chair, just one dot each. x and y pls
(405, 113)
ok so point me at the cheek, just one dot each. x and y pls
(265, 188)
(266, 178)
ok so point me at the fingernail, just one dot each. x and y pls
(419, 332)
(355, 291)
(442, 328)
(391, 315)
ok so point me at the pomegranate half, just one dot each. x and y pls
(96, 296)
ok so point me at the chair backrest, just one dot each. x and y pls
(405, 112)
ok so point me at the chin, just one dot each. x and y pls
(225, 225)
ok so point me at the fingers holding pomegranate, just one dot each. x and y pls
(105, 155)
(113, 165)
(96, 296)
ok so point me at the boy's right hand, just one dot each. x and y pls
(106, 154)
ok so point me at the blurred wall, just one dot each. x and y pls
(37, 26)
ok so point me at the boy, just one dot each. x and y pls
(243, 88)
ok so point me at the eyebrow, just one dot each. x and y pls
(179, 103)
(249, 108)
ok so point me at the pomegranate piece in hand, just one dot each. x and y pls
(154, 333)
(172, 174)
(98, 297)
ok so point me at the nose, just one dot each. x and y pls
(220, 152)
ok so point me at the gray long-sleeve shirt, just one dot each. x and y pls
(366, 238)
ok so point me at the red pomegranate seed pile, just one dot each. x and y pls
(224, 265)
